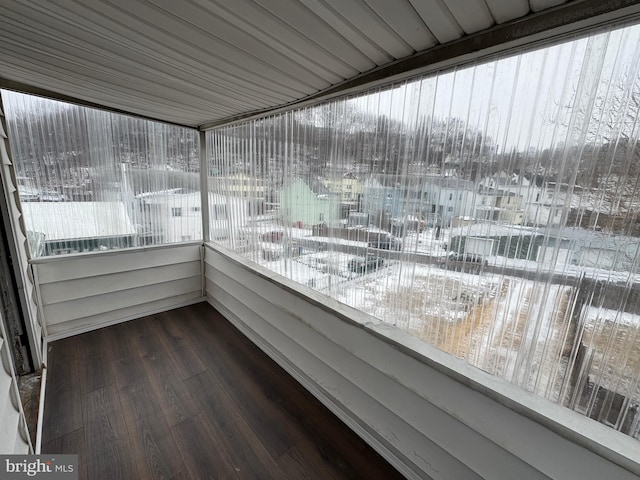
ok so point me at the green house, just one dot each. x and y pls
(301, 205)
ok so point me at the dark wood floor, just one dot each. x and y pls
(184, 395)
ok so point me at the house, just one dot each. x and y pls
(176, 216)
(253, 189)
(437, 199)
(513, 183)
(447, 197)
(390, 196)
(300, 205)
(502, 198)
(380, 199)
(599, 250)
(348, 188)
(511, 241)
(499, 206)
(551, 205)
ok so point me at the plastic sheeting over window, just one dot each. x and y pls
(492, 211)
(90, 180)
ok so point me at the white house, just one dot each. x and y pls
(174, 216)
(445, 198)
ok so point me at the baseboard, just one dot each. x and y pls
(96, 326)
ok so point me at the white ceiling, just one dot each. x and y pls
(198, 61)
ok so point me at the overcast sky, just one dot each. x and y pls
(526, 100)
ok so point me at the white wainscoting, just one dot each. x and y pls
(429, 414)
(88, 291)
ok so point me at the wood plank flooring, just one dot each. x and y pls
(184, 395)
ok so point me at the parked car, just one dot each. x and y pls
(52, 196)
(465, 262)
(365, 264)
(386, 242)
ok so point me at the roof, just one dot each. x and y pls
(580, 237)
(504, 179)
(178, 197)
(200, 61)
(77, 220)
(315, 186)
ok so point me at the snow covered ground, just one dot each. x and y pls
(516, 328)
(512, 328)
(426, 243)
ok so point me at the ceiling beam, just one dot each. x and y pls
(19, 87)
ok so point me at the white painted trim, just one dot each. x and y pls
(89, 328)
(203, 280)
(109, 253)
(43, 389)
(204, 186)
(40, 312)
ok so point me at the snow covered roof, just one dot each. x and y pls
(581, 237)
(448, 182)
(495, 230)
(176, 198)
(395, 180)
(315, 186)
(78, 220)
(503, 178)
(405, 218)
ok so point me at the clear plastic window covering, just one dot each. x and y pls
(492, 211)
(91, 180)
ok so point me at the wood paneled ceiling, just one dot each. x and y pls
(197, 61)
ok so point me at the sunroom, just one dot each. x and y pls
(322, 239)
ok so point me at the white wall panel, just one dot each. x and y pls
(95, 305)
(427, 418)
(71, 267)
(118, 315)
(84, 292)
(79, 288)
